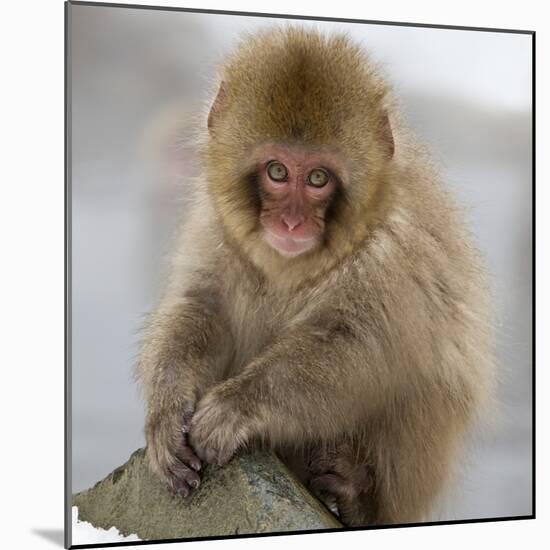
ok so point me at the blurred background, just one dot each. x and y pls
(140, 81)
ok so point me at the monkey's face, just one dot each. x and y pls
(295, 186)
(298, 139)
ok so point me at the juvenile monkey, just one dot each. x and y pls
(326, 300)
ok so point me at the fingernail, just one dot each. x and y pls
(196, 465)
(184, 491)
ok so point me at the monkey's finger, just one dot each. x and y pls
(186, 454)
(194, 441)
(181, 472)
(181, 487)
(211, 456)
(219, 456)
(223, 458)
(187, 417)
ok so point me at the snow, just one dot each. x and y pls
(86, 533)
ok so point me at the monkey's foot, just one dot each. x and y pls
(343, 494)
(333, 486)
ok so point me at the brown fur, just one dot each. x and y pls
(361, 362)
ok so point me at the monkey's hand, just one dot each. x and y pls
(169, 452)
(218, 427)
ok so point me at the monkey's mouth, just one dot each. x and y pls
(289, 246)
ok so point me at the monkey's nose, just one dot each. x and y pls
(291, 221)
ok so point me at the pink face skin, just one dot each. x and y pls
(293, 210)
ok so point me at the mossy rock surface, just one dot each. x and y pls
(254, 493)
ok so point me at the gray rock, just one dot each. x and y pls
(254, 493)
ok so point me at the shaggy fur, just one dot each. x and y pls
(362, 362)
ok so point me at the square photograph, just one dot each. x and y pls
(300, 274)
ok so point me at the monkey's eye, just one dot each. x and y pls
(277, 171)
(318, 177)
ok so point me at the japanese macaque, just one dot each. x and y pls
(325, 301)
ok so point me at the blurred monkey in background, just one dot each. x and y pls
(325, 300)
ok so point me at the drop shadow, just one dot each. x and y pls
(56, 536)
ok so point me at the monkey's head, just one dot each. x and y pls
(299, 140)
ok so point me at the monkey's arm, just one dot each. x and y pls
(186, 347)
(185, 351)
(317, 380)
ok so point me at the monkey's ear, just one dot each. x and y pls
(387, 134)
(217, 106)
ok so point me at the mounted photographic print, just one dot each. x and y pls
(299, 274)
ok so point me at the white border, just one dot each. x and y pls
(31, 252)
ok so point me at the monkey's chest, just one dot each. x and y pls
(255, 321)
